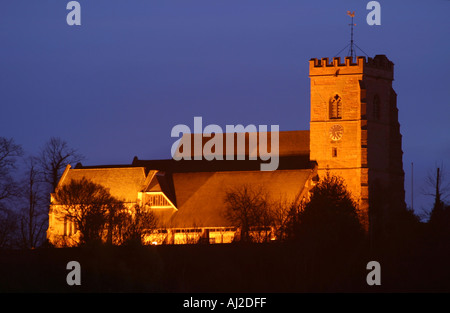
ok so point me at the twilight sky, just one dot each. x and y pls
(115, 86)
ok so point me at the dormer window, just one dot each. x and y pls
(156, 200)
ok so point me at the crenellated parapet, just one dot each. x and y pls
(326, 62)
(379, 66)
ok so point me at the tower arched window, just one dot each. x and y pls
(335, 108)
(376, 107)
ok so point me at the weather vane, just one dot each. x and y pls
(352, 50)
(351, 53)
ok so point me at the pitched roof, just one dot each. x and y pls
(197, 195)
(124, 183)
(200, 195)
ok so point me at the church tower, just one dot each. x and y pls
(355, 133)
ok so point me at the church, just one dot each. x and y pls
(354, 133)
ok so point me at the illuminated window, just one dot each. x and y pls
(69, 227)
(156, 200)
(335, 107)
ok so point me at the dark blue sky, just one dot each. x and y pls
(116, 85)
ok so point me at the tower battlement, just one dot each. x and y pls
(336, 62)
(380, 61)
(379, 66)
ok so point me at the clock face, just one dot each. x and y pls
(336, 132)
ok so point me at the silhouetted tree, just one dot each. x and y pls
(91, 207)
(329, 220)
(54, 157)
(246, 207)
(285, 217)
(437, 186)
(33, 215)
(137, 224)
(9, 152)
(8, 227)
(439, 221)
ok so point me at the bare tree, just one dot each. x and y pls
(437, 186)
(248, 207)
(9, 152)
(54, 157)
(33, 213)
(285, 214)
(90, 207)
(8, 227)
(137, 224)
